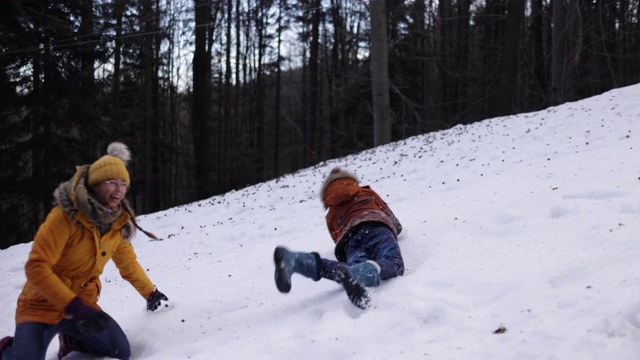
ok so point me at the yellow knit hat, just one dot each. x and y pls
(112, 165)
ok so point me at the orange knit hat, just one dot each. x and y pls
(111, 166)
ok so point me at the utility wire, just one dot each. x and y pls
(60, 44)
(97, 36)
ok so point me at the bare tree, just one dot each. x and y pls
(557, 53)
(201, 112)
(380, 73)
(515, 13)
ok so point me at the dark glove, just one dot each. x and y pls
(153, 301)
(90, 322)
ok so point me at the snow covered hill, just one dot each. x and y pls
(529, 223)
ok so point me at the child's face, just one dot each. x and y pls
(110, 192)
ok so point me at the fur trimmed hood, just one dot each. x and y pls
(335, 174)
(73, 197)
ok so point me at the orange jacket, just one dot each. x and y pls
(67, 257)
(350, 204)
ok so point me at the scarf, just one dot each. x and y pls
(74, 196)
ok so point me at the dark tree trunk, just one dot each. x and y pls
(118, 13)
(201, 100)
(148, 111)
(461, 56)
(539, 59)
(380, 74)
(276, 124)
(312, 117)
(508, 78)
(557, 54)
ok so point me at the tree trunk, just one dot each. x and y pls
(147, 19)
(201, 100)
(276, 125)
(515, 13)
(380, 74)
(445, 87)
(228, 120)
(312, 117)
(557, 53)
(539, 60)
(461, 54)
(118, 13)
(259, 116)
(88, 58)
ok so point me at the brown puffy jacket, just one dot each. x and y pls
(350, 204)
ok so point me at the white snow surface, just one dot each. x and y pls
(528, 222)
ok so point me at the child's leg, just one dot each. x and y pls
(31, 341)
(378, 243)
(386, 252)
(112, 342)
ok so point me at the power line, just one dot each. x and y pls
(61, 43)
(98, 36)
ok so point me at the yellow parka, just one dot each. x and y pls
(69, 254)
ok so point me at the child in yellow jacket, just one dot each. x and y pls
(91, 224)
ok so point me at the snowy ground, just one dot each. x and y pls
(528, 222)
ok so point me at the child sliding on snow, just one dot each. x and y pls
(365, 232)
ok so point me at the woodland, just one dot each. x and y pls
(212, 96)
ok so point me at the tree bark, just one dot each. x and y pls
(312, 120)
(537, 41)
(380, 74)
(276, 125)
(201, 99)
(515, 13)
(557, 53)
(118, 13)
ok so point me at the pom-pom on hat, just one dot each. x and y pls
(338, 173)
(335, 174)
(112, 165)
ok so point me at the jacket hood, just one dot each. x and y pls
(73, 197)
(335, 174)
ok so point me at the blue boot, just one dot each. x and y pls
(354, 278)
(288, 262)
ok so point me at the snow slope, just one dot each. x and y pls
(528, 222)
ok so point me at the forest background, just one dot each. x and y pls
(217, 95)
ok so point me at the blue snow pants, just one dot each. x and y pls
(32, 339)
(369, 241)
